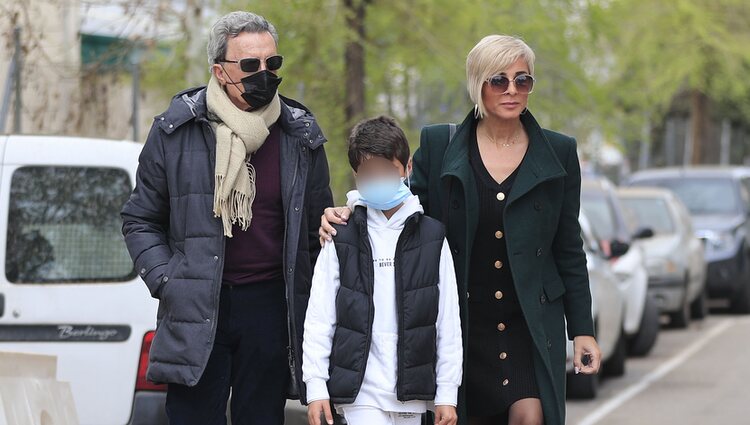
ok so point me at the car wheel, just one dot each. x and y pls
(680, 319)
(699, 307)
(642, 342)
(740, 303)
(582, 387)
(615, 365)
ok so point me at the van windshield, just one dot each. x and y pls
(64, 225)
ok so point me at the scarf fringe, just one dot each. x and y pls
(237, 208)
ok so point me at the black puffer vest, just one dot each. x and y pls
(417, 264)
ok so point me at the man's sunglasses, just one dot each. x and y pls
(524, 83)
(273, 63)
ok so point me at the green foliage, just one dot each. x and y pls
(601, 64)
(661, 49)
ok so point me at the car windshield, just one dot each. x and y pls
(600, 215)
(652, 213)
(702, 196)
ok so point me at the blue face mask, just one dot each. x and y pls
(384, 193)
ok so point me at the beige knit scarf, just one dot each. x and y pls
(239, 134)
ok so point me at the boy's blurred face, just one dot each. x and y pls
(375, 168)
(380, 182)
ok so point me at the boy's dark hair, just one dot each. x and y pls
(379, 136)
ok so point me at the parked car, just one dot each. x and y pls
(718, 199)
(620, 239)
(68, 287)
(608, 309)
(675, 259)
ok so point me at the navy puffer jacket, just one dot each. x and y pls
(178, 245)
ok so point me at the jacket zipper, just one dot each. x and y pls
(219, 270)
(290, 314)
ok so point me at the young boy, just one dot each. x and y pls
(382, 335)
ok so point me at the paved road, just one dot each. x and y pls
(695, 376)
(700, 375)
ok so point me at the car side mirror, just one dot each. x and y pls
(643, 233)
(618, 249)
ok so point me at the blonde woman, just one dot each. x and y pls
(508, 192)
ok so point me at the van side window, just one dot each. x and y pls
(64, 226)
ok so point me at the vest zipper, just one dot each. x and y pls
(400, 306)
(371, 310)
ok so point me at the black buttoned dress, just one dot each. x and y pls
(499, 364)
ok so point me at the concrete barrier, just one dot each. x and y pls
(30, 393)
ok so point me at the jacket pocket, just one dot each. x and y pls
(554, 289)
(169, 272)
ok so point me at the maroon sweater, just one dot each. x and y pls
(255, 255)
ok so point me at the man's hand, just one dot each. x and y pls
(315, 409)
(445, 415)
(586, 346)
(335, 215)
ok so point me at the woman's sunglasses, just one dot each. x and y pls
(524, 83)
(273, 63)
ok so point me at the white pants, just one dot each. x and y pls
(365, 415)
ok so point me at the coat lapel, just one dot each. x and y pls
(540, 163)
(456, 167)
(456, 159)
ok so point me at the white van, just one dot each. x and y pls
(67, 283)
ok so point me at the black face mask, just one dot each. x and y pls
(260, 88)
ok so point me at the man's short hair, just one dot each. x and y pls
(231, 25)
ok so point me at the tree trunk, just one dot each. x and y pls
(354, 62)
(644, 153)
(726, 142)
(697, 125)
(194, 57)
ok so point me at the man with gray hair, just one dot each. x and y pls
(222, 227)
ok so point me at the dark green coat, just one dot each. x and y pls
(542, 235)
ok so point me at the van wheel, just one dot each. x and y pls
(699, 307)
(642, 342)
(582, 387)
(615, 365)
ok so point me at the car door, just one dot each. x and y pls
(607, 298)
(696, 262)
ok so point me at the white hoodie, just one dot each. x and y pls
(379, 383)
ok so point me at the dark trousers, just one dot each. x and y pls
(249, 356)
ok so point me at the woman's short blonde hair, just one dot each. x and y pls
(491, 56)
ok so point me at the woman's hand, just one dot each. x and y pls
(315, 409)
(445, 415)
(335, 215)
(586, 346)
